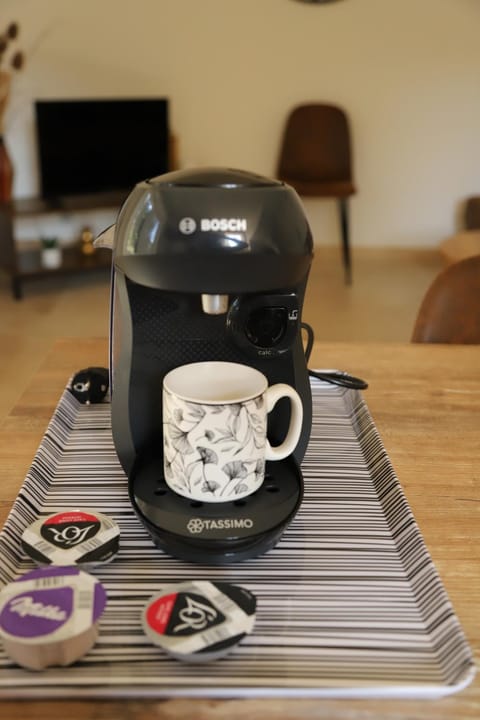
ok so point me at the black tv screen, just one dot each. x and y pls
(95, 146)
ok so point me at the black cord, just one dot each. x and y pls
(310, 338)
(335, 377)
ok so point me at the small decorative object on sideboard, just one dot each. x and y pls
(9, 62)
(86, 241)
(51, 253)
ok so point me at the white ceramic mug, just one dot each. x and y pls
(215, 429)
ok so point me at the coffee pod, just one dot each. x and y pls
(199, 621)
(49, 616)
(72, 537)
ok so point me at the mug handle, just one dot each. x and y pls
(272, 395)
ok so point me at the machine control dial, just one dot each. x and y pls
(264, 326)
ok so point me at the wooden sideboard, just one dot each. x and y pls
(23, 264)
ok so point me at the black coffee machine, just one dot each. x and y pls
(208, 264)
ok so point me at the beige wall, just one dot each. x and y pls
(408, 72)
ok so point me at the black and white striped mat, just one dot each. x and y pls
(349, 602)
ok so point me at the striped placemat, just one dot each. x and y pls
(349, 602)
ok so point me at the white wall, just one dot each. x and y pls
(407, 71)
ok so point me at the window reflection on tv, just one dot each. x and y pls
(99, 146)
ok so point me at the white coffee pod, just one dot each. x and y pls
(49, 616)
(72, 537)
(199, 621)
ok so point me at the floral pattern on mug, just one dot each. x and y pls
(214, 452)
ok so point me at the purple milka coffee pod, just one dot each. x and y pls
(49, 616)
(198, 621)
(72, 537)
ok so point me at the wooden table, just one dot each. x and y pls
(425, 400)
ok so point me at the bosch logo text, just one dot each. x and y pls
(188, 225)
(223, 224)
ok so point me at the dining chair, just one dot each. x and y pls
(472, 213)
(316, 160)
(450, 310)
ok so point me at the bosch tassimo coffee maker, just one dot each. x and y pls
(208, 264)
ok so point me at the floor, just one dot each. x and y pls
(380, 305)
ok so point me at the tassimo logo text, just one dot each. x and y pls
(198, 525)
(223, 224)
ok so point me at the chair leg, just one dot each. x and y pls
(17, 291)
(344, 225)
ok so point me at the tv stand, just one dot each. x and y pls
(85, 201)
(24, 264)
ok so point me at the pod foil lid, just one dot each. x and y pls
(197, 621)
(72, 537)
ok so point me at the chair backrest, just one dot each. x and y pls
(450, 310)
(472, 213)
(316, 144)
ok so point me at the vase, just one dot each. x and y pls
(51, 258)
(6, 174)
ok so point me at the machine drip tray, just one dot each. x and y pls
(217, 533)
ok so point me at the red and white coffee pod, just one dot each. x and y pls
(197, 620)
(72, 537)
(49, 616)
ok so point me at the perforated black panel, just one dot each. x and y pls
(173, 330)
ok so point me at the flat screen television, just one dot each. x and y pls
(100, 146)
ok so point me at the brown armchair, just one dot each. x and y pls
(450, 310)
